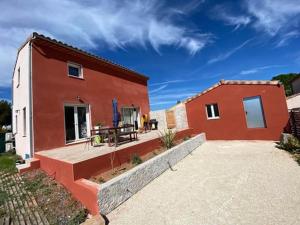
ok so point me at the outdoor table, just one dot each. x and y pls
(113, 132)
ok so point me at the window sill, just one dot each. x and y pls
(80, 78)
(213, 118)
(78, 141)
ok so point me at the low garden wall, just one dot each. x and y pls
(119, 189)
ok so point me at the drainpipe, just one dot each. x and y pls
(31, 136)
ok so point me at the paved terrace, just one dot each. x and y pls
(80, 152)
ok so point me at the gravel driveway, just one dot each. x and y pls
(221, 183)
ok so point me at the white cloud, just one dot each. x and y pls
(257, 69)
(93, 25)
(226, 55)
(172, 82)
(287, 37)
(168, 97)
(158, 89)
(222, 13)
(274, 16)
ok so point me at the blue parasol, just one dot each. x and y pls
(115, 113)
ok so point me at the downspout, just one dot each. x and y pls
(31, 135)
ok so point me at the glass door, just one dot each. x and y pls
(127, 115)
(82, 126)
(69, 124)
(76, 123)
(130, 115)
(254, 112)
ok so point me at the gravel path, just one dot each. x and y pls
(234, 182)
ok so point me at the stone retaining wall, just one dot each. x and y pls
(119, 189)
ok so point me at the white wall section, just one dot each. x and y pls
(21, 100)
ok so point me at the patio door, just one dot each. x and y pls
(76, 122)
(130, 115)
(254, 112)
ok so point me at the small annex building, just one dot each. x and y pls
(239, 110)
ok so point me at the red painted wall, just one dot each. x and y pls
(100, 164)
(52, 87)
(72, 175)
(232, 123)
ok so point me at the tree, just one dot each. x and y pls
(286, 79)
(5, 113)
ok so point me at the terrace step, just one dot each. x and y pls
(29, 164)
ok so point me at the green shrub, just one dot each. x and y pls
(168, 138)
(292, 145)
(136, 159)
(186, 138)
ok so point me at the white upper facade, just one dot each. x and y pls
(21, 109)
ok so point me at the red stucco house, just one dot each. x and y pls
(60, 92)
(239, 110)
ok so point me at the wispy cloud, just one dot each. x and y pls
(174, 96)
(285, 38)
(257, 69)
(164, 103)
(171, 82)
(93, 25)
(274, 16)
(169, 97)
(221, 12)
(226, 55)
(158, 89)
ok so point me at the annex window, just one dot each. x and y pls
(19, 77)
(75, 70)
(212, 111)
(24, 122)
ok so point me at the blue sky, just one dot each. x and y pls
(183, 46)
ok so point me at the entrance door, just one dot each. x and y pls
(254, 112)
(76, 123)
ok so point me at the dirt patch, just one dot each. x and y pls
(133, 162)
(55, 201)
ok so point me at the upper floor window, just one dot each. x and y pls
(75, 70)
(24, 122)
(212, 111)
(19, 77)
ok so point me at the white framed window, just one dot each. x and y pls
(212, 111)
(24, 122)
(75, 70)
(16, 124)
(19, 77)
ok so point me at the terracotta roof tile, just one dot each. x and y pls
(41, 36)
(234, 82)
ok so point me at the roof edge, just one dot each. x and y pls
(36, 35)
(234, 82)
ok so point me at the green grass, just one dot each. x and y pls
(3, 197)
(8, 161)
